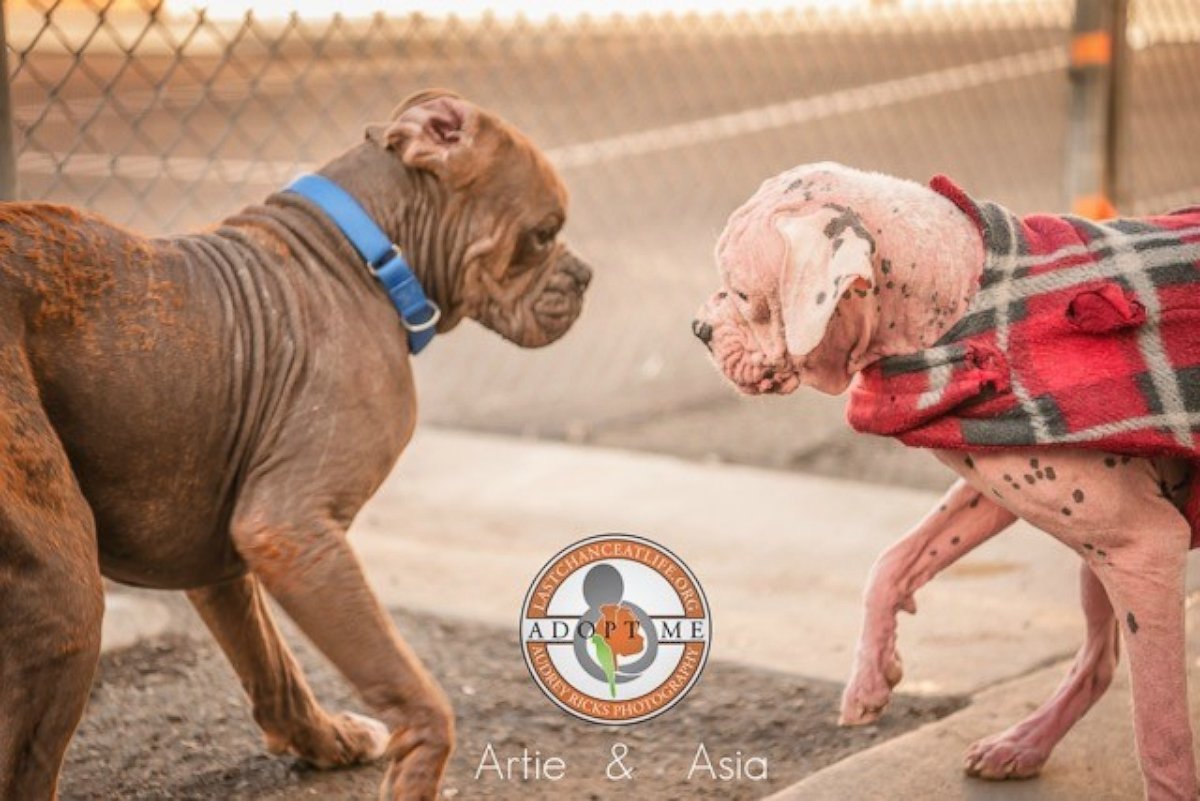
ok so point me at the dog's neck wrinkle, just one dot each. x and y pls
(407, 205)
(924, 303)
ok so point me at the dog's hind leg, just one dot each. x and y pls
(51, 595)
(1119, 515)
(1144, 573)
(284, 707)
(1020, 751)
(961, 521)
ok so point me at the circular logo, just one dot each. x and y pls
(615, 629)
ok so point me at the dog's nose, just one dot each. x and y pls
(702, 330)
(579, 271)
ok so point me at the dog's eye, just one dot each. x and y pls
(545, 236)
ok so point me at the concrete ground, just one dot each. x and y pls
(467, 520)
(1096, 761)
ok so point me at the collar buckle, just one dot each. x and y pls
(425, 325)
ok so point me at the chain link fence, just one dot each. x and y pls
(167, 119)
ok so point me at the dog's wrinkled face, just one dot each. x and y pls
(526, 284)
(495, 230)
(790, 309)
(742, 325)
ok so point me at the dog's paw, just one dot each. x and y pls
(1004, 756)
(343, 739)
(419, 758)
(859, 709)
(868, 692)
(373, 735)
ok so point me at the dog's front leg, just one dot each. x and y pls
(284, 707)
(309, 568)
(961, 521)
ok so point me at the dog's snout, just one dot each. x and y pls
(702, 330)
(579, 271)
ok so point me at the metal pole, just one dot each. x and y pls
(8, 159)
(1118, 86)
(1091, 158)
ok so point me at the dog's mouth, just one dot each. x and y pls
(771, 382)
(751, 376)
(556, 310)
(536, 320)
(558, 305)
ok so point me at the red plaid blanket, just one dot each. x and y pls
(1081, 334)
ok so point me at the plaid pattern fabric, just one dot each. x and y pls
(1081, 334)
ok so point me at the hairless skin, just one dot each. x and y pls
(963, 520)
(826, 270)
(209, 412)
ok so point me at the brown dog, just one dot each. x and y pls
(209, 412)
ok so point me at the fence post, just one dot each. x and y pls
(1118, 116)
(1097, 50)
(8, 158)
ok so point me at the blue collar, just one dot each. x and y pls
(418, 314)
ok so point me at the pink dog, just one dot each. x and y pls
(1051, 362)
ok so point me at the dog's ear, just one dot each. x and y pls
(827, 252)
(428, 129)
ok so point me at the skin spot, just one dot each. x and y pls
(933, 553)
(955, 540)
(1089, 546)
(847, 219)
(1077, 496)
(885, 266)
(942, 508)
(1126, 459)
(1008, 478)
(1101, 552)
(820, 298)
(1040, 474)
(1033, 463)
(1050, 474)
(974, 502)
(1131, 621)
(969, 462)
(1066, 511)
(1029, 479)
(1110, 461)
(996, 492)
